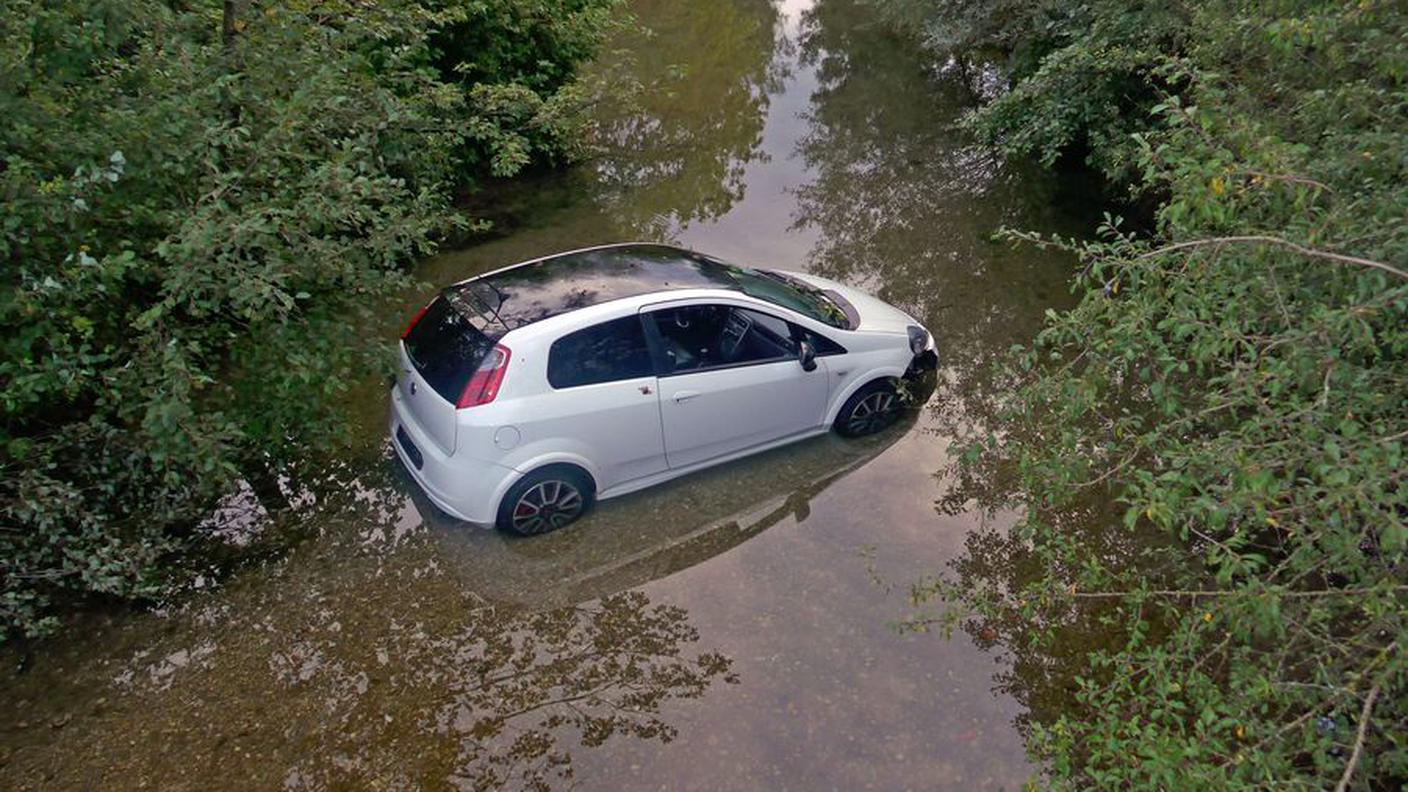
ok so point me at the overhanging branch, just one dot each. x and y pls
(1279, 242)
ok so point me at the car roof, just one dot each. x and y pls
(536, 290)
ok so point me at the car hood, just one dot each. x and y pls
(876, 315)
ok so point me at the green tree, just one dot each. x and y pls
(202, 202)
(1233, 381)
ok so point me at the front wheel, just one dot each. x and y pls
(869, 410)
(545, 500)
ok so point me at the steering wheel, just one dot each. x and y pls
(735, 328)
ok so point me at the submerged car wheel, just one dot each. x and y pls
(545, 500)
(869, 409)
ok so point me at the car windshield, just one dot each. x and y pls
(789, 292)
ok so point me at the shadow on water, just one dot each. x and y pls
(634, 539)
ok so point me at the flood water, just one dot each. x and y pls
(731, 630)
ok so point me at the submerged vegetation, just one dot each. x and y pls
(1234, 381)
(200, 200)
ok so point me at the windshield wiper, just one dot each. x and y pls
(805, 288)
(790, 281)
(481, 305)
(828, 303)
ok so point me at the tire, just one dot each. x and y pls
(545, 500)
(872, 408)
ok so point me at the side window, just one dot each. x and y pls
(698, 337)
(822, 344)
(607, 352)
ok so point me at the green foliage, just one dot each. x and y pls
(1082, 74)
(1236, 388)
(516, 61)
(194, 226)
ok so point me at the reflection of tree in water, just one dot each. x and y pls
(507, 694)
(985, 586)
(499, 694)
(361, 659)
(393, 670)
(906, 202)
(1045, 636)
(679, 146)
(599, 671)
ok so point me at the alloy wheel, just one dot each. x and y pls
(872, 413)
(547, 506)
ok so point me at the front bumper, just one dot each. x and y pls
(926, 361)
(923, 363)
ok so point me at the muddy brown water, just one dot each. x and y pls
(731, 630)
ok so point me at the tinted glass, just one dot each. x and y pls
(822, 344)
(607, 352)
(446, 347)
(789, 292)
(555, 285)
(568, 282)
(709, 336)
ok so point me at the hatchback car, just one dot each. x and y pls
(528, 393)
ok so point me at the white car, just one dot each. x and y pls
(528, 393)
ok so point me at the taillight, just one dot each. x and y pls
(418, 316)
(484, 383)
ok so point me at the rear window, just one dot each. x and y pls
(446, 347)
(607, 352)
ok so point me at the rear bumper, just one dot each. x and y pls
(466, 489)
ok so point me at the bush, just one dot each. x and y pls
(202, 203)
(1236, 384)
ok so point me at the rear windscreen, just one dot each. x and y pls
(446, 347)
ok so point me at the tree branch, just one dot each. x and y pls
(1112, 471)
(1271, 240)
(1358, 740)
(1302, 180)
(1197, 594)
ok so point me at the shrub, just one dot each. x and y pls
(202, 203)
(1236, 384)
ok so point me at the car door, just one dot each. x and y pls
(729, 380)
(604, 400)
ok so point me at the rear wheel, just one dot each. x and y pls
(545, 500)
(869, 410)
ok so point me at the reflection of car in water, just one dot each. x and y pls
(638, 538)
(528, 393)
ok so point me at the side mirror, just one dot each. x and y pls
(806, 355)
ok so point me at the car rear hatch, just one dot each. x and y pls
(439, 353)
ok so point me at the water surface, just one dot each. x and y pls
(725, 631)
